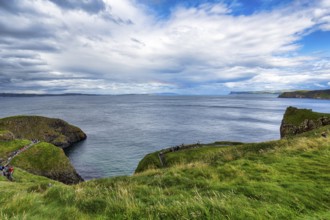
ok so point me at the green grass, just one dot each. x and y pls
(284, 179)
(152, 160)
(7, 147)
(43, 158)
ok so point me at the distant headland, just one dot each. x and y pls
(255, 92)
(309, 94)
(80, 94)
(46, 94)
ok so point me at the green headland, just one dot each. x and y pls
(281, 179)
(311, 94)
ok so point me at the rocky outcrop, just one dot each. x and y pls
(296, 121)
(6, 136)
(51, 130)
(65, 176)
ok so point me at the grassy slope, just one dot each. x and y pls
(41, 159)
(285, 179)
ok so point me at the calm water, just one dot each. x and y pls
(122, 129)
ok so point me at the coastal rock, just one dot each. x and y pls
(51, 130)
(6, 136)
(296, 121)
(66, 176)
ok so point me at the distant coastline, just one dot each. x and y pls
(254, 92)
(35, 94)
(79, 94)
(307, 94)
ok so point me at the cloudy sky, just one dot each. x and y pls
(163, 46)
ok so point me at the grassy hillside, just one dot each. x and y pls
(42, 159)
(284, 179)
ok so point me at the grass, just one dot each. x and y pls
(7, 147)
(284, 179)
(43, 158)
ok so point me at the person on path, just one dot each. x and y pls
(10, 173)
(1, 168)
(5, 170)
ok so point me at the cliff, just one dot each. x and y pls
(296, 121)
(314, 94)
(51, 130)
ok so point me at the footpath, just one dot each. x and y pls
(17, 152)
(7, 169)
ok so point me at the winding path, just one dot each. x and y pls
(17, 152)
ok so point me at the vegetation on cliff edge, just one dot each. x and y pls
(297, 116)
(51, 130)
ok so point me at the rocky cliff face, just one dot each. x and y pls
(6, 136)
(296, 121)
(54, 131)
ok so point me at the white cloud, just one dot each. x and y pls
(126, 48)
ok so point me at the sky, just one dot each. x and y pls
(203, 47)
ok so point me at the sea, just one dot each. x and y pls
(122, 129)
